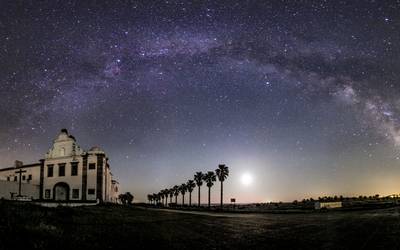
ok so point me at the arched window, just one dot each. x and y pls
(62, 152)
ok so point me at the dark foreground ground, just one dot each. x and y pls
(118, 227)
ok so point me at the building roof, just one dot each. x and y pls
(23, 166)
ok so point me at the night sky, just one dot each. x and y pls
(303, 97)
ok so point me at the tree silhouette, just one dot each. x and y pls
(222, 173)
(149, 198)
(155, 198)
(198, 178)
(161, 196)
(176, 193)
(166, 193)
(209, 178)
(129, 197)
(183, 189)
(190, 185)
(171, 194)
(126, 198)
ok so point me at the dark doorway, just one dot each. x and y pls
(61, 191)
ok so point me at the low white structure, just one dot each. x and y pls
(67, 173)
(327, 204)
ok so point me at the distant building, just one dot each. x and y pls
(327, 205)
(67, 173)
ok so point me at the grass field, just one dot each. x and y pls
(117, 227)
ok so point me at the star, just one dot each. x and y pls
(178, 87)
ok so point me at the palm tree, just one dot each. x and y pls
(162, 193)
(183, 189)
(149, 198)
(161, 196)
(209, 178)
(222, 173)
(171, 194)
(176, 193)
(155, 198)
(190, 185)
(198, 178)
(166, 193)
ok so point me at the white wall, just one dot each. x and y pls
(74, 182)
(34, 171)
(65, 151)
(29, 190)
(336, 204)
(91, 176)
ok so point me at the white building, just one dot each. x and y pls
(67, 173)
(327, 204)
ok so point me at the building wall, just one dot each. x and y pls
(95, 182)
(114, 192)
(327, 205)
(27, 189)
(34, 171)
(74, 182)
(92, 176)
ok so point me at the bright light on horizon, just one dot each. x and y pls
(246, 179)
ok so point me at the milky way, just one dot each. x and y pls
(303, 95)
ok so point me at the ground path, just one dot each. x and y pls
(215, 214)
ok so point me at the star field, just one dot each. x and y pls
(303, 95)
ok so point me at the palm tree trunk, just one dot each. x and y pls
(170, 199)
(222, 193)
(199, 198)
(176, 200)
(190, 199)
(209, 192)
(183, 199)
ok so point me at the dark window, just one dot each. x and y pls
(47, 194)
(15, 178)
(29, 177)
(61, 169)
(23, 177)
(75, 193)
(92, 166)
(74, 168)
(91, 191)
(8, 178)
(49, 170)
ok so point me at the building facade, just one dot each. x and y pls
(67, 173)
(327, 204)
